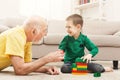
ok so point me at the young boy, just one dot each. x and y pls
(74, 44)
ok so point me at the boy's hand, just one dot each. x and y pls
(87, 57)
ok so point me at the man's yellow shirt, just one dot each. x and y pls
(13, 42)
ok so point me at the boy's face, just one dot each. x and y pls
(71, 29)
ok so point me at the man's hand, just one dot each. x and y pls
(54, 56)
(48, 69)
(87, 57)
(53, 70)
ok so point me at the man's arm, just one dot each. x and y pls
(22, 68)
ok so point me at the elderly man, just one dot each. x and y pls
(15, 48)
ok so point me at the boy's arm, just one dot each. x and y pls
(91, 46)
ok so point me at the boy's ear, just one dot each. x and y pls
(78, 26)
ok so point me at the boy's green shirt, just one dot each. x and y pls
(74, 48)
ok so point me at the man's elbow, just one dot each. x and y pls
(20, 72)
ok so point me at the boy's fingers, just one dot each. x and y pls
(88, 61)
(82, 57)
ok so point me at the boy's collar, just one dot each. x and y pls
(79, 38)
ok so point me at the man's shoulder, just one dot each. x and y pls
(16, 34)
(18, 31)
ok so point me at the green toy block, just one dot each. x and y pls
(97, 74)
(74, 65)
(81, 68)
(79, 60)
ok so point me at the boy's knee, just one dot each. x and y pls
(93, 67)
(66, 69)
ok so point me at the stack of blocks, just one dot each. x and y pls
(79, 67)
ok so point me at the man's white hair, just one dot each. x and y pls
(35, 22)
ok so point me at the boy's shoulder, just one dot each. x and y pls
(66, 36)
(83, 35)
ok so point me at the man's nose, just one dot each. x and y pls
(45, 34)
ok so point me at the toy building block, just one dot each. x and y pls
(79, 67)
(97, 74)
(74, 67)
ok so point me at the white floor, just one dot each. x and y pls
(8, 74)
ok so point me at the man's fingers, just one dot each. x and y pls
(55, 71)
(61, 58)
(51, 71)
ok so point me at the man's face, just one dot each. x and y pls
(70, 28)
(40, 33)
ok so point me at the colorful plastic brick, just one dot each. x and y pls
(97, 74)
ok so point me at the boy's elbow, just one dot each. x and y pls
(97, 50)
